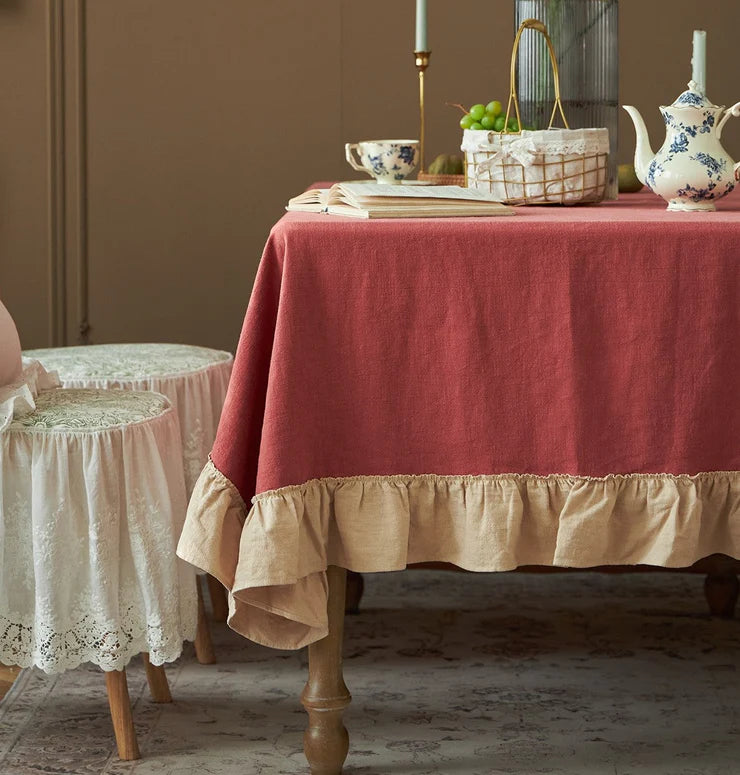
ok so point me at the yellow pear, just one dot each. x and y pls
(629, 183)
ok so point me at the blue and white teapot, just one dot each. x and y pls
(692, 170)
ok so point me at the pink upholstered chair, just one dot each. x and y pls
(10, 349)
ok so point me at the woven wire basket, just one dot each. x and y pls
(550, 166)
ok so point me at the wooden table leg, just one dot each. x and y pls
(721, 591)
(120, 712)
(156, 677)
(355, 588)
(325, 697)
(219, 599)
(203, 645)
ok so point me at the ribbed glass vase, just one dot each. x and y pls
(585, 37)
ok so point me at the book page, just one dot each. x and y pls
(362, 192)
(314, 196)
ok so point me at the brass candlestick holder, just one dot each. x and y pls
(421, 59)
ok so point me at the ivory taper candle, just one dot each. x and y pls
(699, 61)
(421, 25)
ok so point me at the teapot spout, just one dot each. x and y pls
(643, 152)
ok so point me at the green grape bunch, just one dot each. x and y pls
(489, 117)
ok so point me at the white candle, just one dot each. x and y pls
(699, 61)
(421, 25)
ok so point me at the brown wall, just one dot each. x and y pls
(147, 146)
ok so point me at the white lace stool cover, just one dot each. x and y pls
(92, 501)
(195, 380)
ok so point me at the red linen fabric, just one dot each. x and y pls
(582, 341)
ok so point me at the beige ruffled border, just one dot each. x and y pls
(273, 557)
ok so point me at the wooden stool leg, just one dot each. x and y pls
(120, 712)
(355, 588)
(156, 677)
(219, 599)
(721, 591)
(325, 697)
(203, 644)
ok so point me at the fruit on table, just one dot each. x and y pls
(629, 183)
(489, 117)
(477, 111)
(446, 164)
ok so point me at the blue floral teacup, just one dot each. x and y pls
(388, 161)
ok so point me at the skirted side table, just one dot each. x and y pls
(92, 501)
(195, 380)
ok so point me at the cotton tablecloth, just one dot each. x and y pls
(559, 387)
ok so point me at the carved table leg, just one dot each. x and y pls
(355, 588)
(203, 644)
(156, 677)
(721, 591)
(120, 712)
(325, 697)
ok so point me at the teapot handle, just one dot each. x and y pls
(733, 111)
(737, 171)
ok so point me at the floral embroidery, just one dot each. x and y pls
(127, 361)
(193, 378)
(90, 410)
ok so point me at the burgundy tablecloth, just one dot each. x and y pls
(557, 387)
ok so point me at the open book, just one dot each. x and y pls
(378, 200)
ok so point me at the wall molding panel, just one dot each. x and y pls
(76, 156)
(67, 172)
(56, 173)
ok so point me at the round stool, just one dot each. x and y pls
(92, 502)
(195, 379)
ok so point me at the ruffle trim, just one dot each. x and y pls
(274, 558)
(19, 398)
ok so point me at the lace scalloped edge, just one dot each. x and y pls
(160, 651)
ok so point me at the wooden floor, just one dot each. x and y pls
(7, 676)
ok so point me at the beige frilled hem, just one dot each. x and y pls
(273, 557)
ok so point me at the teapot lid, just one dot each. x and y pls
(692, 97)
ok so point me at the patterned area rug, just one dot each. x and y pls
(508, 674)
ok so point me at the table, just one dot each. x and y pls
(554, 388)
